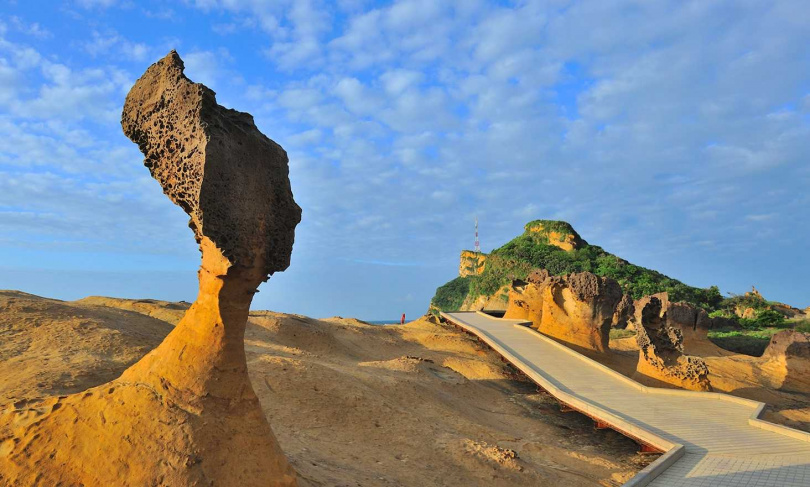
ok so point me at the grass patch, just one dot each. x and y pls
(617, 333)
(748, 342)
(803, 326)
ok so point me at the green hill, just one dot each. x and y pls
(556, 246)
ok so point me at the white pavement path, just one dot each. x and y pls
(711, 439)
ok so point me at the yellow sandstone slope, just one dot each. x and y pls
(349, 402)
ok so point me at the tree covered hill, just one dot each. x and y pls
(557, 247)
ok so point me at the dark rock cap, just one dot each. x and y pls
(213, 162)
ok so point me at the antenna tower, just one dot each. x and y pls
(477, 243)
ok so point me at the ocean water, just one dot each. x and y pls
(382, 322)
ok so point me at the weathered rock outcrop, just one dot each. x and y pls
(661, 356)
(624, 312)
(787, 361)
(788, 311)
(693, 322)
(185, 414)
(557, 233)
(642, 302)
(577, 308)
(471, 263)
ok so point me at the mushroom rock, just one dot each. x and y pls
(186, 413)
(624, 311)
(661, 358)
(787, 361)
(577, 309)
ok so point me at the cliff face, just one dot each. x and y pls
(186, 413)
(472, 263)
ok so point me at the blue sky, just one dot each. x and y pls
(674, 134)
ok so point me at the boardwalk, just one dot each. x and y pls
(710, 439)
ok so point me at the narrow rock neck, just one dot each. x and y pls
(204, 356)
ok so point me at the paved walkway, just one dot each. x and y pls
(709, 438)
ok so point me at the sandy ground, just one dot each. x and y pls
(352, 404)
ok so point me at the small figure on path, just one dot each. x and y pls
(402, 321)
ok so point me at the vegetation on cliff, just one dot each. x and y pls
(551, 226)
(751, 311)
(532, 250)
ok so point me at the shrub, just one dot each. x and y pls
(748, 342)
(769, 317)
(803, 326)
(450, 296)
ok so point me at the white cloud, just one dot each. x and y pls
(207, 67)
(398, 80)
(114, 45)
(32, 29)
(805, 103)
(89, 4)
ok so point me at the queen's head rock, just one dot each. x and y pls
(186, 413)
(215, 164)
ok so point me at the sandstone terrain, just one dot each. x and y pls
(577, 309)
(350, 403)
(757, 378)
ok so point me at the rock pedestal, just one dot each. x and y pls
(185, 414)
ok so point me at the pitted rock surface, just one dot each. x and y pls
(577, 309)
(661, 353)
(624, 312)
(215, 164)
(693, 322)
(590, 287)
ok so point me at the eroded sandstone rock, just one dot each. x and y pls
(661, 355)
(624, 312)
(693, 322)
(185, 414)
(787, 361)
(642, 302)
(577, 308)
(471, 263)
(557, 233)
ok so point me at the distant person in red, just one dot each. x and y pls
(402, 321)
